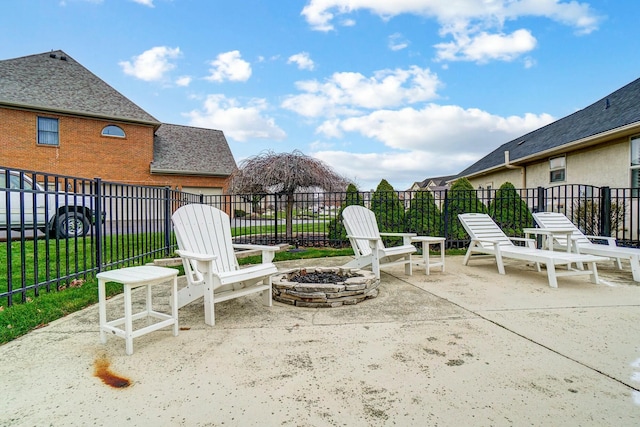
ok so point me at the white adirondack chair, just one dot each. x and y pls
(210, 264)
(489, 239)
(582, 243)
(365, 238)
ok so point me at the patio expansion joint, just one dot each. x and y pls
(564, 307)
(479, 315)
(630, 386)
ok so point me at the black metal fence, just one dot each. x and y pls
(55, 229)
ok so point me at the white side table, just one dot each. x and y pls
(427, 241)
(549, 235)
(133, 277)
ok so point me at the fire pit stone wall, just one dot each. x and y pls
(354, 286)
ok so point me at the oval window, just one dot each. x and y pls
(113, 130)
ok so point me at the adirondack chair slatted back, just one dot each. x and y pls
(555, 220)
(360, 221)
(205, 230)
(482, 227)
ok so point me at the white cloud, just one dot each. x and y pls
(321, 145)
(397, 42)
(148, 3)
(442, 140)
(484, 47)
(151, 65)
(348, 23)
(239, 122)
(399, 168)
(476, 26)
(183, 81)
(346, 92)
(435, 128)
(229, 66)
(529, 62)
(302, 60)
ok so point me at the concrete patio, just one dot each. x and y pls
(463, 347)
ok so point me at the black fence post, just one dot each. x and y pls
(275, 215)
(445, 217)
(167, 220)
(98, 221)
(542, 203)
(605, 211)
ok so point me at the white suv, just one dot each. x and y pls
(57, 213)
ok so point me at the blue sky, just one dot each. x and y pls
(401, 90)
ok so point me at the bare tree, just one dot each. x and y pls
(283, 174)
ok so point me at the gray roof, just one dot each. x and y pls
(189, 150)
(619, 109)
(53, 81)
(440, 181)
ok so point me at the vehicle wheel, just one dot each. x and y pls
(72, 224)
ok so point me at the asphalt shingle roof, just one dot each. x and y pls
(440, 181)
(54, 81)
(615, 110)
(190, 150)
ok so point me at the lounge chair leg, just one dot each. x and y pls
(467, 256)
(594, 273)
(635, 267)
(499, 259)
(551, 274)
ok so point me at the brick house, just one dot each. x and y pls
(58, 117)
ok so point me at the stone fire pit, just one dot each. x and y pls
(324, 286)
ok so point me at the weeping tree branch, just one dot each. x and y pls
(284, 174)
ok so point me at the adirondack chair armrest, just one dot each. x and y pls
(196, 256)
(374, 242)
(268, 252)
(370, 238)
(406, 237)
(611, 241)
(256, 247)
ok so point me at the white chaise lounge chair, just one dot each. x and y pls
(365, 238)
(581, 243)
(210, 264)
(489, 239)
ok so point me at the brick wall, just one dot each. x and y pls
(84, 152)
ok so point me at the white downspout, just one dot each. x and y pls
(523, 170)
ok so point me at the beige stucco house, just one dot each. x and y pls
(598, 145)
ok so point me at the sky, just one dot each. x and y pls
(401, 90)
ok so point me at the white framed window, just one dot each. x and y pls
(113, 130)
(557, 169)
(48, 133)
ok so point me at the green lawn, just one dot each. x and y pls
(77, 293)
(36, 312)
(46, 261)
